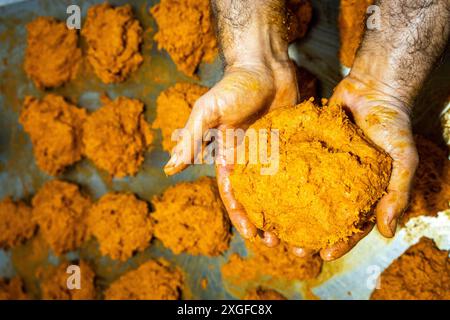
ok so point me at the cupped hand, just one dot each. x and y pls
(246, 92)
(385, 119)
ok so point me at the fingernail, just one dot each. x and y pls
(393, 226)
(327, 256)
(170, 167)
(172, 162)
(270, 240)
(299, 252)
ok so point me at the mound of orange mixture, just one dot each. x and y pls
(53, 283)
(12, 289)
(173, 108)
(278, 262)
(61, 210)
(52, 57)
(16, 224)
(114, 37)
(186, 32)
(55, 129)
(190, 217)
(153, 280)
(431, 191)
(116, 136)
(352, 18)
(122, 225)
(421, 273)
(264, 294)
(328, 180)
(299, 14)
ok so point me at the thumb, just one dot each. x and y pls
(395, 202)
(203, 116)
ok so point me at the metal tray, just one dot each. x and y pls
(347, 278)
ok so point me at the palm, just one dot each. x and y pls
(385, 120)
(244, 94)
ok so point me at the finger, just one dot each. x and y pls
(391, 206)
(203, 117)
(270, 239)
(342, 247)
(235, 210)
(303, 253)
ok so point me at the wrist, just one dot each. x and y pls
(377, 75)
(260, 44)
(363, 91)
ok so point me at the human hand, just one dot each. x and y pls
(385, 119)
(246, 92)
(389, 70)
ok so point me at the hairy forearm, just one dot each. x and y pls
(402, 53)
(251, 30)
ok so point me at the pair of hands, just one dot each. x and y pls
(250, 90)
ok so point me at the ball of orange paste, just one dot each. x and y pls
(328, 180)
(52, 57)
(55, 129)
(154, 280)
(53, 282)
(60, 210)
(114, 38)
(277, 263)
(190, 217)
(16, 224)
(299, 15)
(186, 32)
(12, 289)
(116, 136)
(421, 273)
(122, 225)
